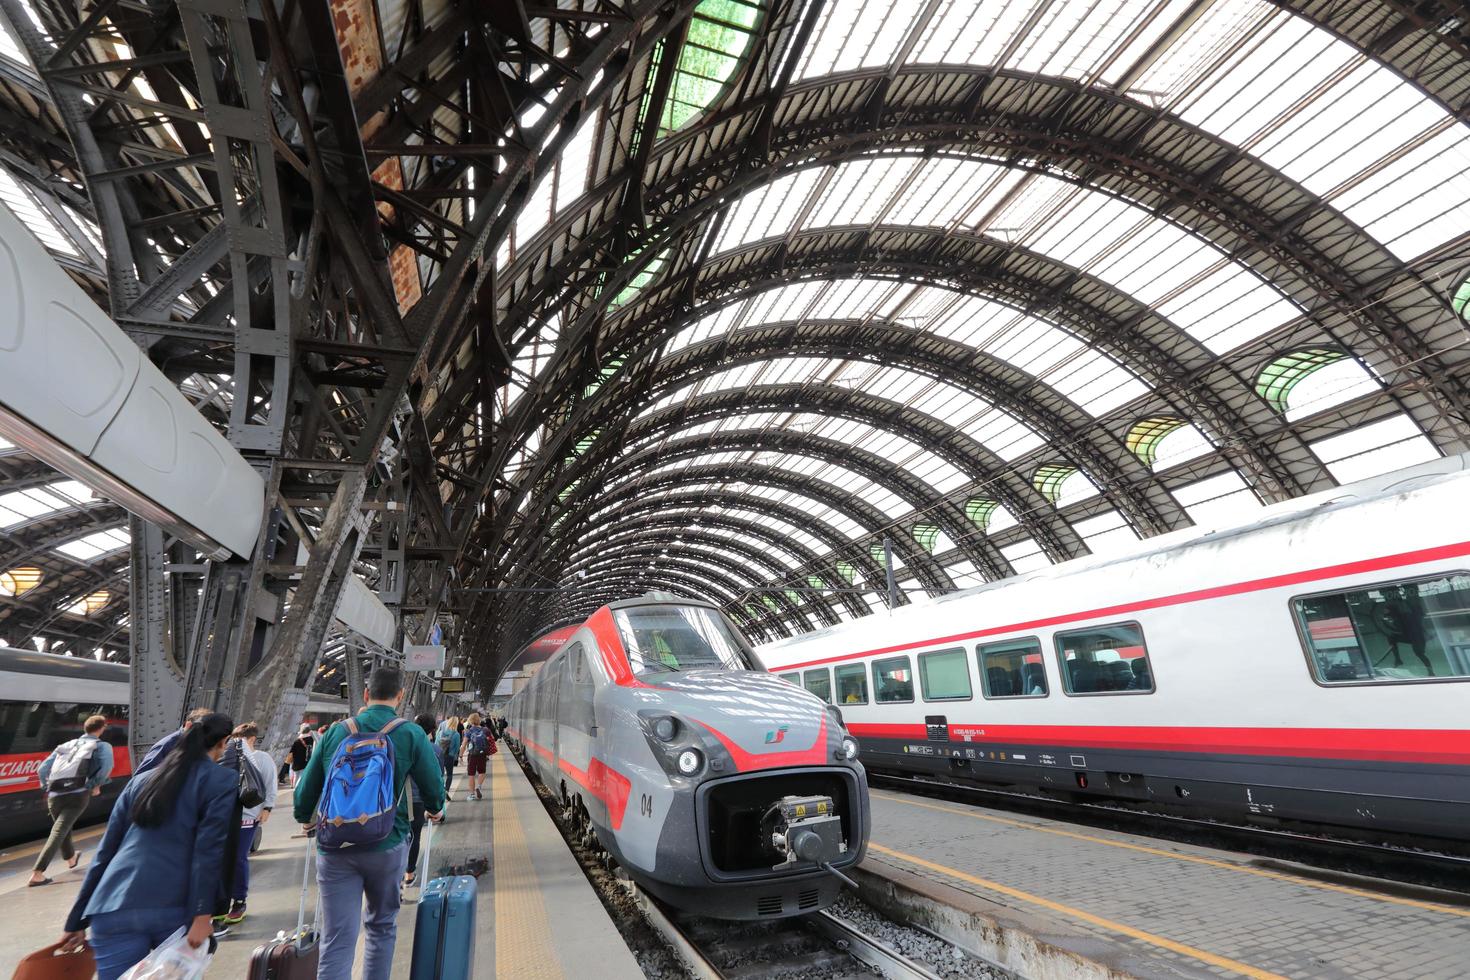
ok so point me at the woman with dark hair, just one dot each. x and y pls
(420, 813)
(159, 863)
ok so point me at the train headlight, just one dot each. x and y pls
(690, 762)
(665, 729)
(848, 751)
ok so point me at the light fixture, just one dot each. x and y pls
(849, 750)
(690, 761)
(19, 581)
(665, 729)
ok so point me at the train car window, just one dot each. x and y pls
(1107, 659)
(577, 709)
(944, 675)
(660, 639)
(893, 680)
(792, 678)
(819, 682)
(852, 684)
(1411, 630)
(1012, 669)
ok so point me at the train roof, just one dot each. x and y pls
(18, 661)
(1363, 492)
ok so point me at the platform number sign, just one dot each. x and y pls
(645, 805)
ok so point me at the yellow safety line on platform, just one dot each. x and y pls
(1194, 859)
(77, 837)
(522, 931)
(1223, 962)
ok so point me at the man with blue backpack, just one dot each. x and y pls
(353, 795)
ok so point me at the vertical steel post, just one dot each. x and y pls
(888, 572)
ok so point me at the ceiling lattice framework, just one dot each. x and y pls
(717, 297)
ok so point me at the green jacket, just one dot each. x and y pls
(412, 756)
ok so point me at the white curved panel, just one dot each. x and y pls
(78, 393)
(360, 610)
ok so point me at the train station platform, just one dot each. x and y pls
(1058, 900)
(529, 882)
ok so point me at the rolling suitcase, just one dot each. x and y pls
(294, 956)
(444, 932)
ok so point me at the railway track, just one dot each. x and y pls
(811, 946)
(1329, 855)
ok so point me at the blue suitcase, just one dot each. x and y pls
(444, 935)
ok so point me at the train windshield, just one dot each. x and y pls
(660, 639)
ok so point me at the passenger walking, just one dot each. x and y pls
(420, 813)
(301, 751)
(155, 754)
(350, 865)
(71, 775)
(248, 734)
(477, 746)
(447, 742)
(159, 862)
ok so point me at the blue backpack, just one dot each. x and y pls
(357, 804)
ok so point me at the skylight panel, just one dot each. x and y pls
(1381, 447)
(943, 191)
(24, 206)
(1327, 387)
(1180, 446)
(573, 165)
(1096, 384)
(6, 446)
(19, 506)
(1417, 202)
(965, 32)
(1025, 556)
(1219, 501)
(853, 35)
(769, 211)
(1228, 307)
(1033, 345)
(96, 545)
(1001, 519)
(1073, 40)
(840, 522)
(1203, 43)
(1106, 533)
(860, 190)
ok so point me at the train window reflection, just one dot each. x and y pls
(1105, 660)
(944, 675)
(893, 680)
(793, 678)
(819, 682)
(1398, 631)
(660, 639)
(852, 684)
(1012, 669)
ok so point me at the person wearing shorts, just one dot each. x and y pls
(478, 745)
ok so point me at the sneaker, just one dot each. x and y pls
(236, 915)
(479, 795)
(221, 929)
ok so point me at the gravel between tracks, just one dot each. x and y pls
(945, 959)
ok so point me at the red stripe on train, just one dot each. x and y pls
(1435, 746)
(1384, 563)
(601, 780)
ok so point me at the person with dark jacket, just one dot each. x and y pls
(158, 866)
(160, 748)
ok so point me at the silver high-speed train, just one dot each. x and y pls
(715, 785)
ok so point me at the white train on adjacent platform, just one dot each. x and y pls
(1312, 666)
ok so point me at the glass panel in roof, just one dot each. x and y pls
(24, 206)
(1380, 447)
(1106, 533)
(19, 506)
(719, 39)
(95, 545)
(1332, 385)
(1218, 501)
(851, 35)
(1025, 556)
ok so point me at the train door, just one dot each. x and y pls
(574, 711)
(554, 695)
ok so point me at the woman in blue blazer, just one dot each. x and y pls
(159, 863)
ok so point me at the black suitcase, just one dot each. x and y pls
(293, 956)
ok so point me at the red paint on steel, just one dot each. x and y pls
(751, 761)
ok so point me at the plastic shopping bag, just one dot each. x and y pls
(174, 959)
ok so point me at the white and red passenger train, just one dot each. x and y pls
(1312, 666)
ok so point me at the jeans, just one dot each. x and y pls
(64, 812)
(241, 885)
(120, 939)
(346, 877)
(448, 776)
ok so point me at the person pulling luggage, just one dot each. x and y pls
(352, 796)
